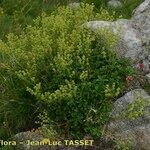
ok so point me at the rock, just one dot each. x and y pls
(74, 5)
(141, 22)
(94, 25)
(116, 26)
(129, 45)
(114, 4)
(32, 136)
(136, 128)
(141, 19)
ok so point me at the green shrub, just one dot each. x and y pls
(60, 67)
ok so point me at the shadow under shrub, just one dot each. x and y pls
(58, 67)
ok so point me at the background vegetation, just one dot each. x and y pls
(17, 14)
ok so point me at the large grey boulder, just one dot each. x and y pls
(74, 5)
(130, 45)
(141, 22)
(114, 4)
(130, 119)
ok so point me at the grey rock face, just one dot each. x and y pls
(141, 22)
(114, 3)
(130, 42)
(94, 25)
(130, 45)
(116, 26)
(74, 5)
(136, 129)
